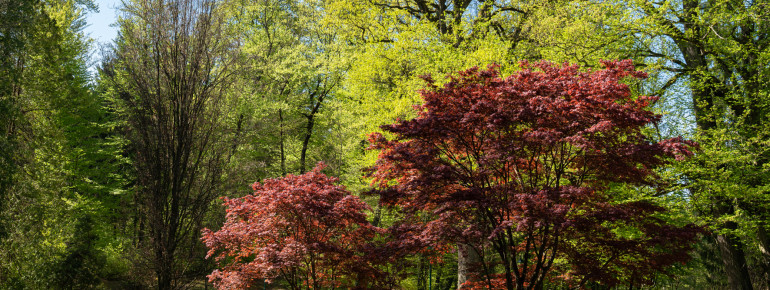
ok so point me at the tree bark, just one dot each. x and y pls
(467, 263)
(706, 89)
(309, 132)
(764, 250)
(733, 258)
(283, 151)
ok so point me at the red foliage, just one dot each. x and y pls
(523, 167)
(303, 229)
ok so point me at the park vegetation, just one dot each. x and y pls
(386, 144)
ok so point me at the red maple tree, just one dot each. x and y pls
(522, 169)
(304, 230)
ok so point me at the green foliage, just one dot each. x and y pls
(314, 76)
(712, 62)
(287, 101)
(59, 163)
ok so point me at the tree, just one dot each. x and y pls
(397, 41)
(524, 169)
(302, 229)
(718, 51)
(17, 20)
(392, 43)
(54, 151)
(171, 69)
(292, 67)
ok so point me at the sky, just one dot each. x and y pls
(100, 25)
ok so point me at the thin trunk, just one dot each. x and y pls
(308, 133)
(237, 135)
(377, 215)
(138, 222)
(164, 271)
(306, 142)
(280, 132)
(422, 279)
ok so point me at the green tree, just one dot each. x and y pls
(293, 66)
(718, 51)
(58, 151)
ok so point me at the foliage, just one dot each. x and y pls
(292, 67)
(392, 43)
(304, 81)
(62, 169)
(171, 71)
(303, 229)
(15, 30)
(713, 57)
(522, 166)
(397, 41)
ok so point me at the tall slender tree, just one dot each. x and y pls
(16, 21)
(172, 69)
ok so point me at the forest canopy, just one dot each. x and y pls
(388, 144)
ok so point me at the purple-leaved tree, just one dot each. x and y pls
(518, 170)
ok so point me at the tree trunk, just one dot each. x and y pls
(467, 263)
(764, 249)
(164, 271)
(733, 258)
(283, 152)
(706, 89)
(306, 142)
(309, 133)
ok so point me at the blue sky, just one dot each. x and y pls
(100, 25)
